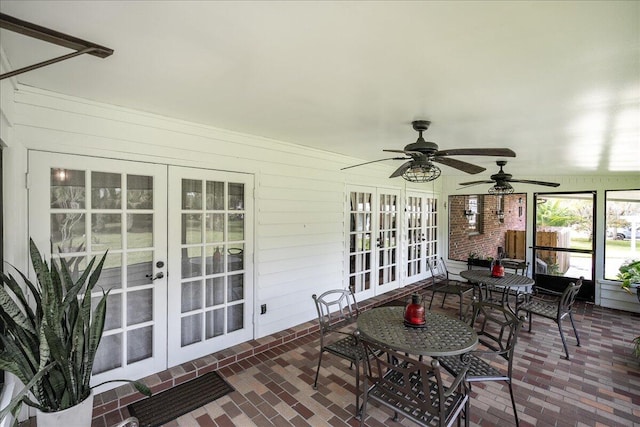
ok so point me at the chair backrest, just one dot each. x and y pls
(438, 269)
(497, 328)
(568, 297)
(516, 267)
(404, 382)
(336, 308)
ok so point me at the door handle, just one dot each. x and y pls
(159, 275)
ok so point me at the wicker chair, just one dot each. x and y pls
(555, 306)
(497, 328)
(446, 286)
(337, 310)
(412, 387)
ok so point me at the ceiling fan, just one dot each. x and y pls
(502, 180)
(421, 155)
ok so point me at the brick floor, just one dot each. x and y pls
(599, 386)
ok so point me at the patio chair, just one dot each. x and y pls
(555, 306)
(521, 268)
(446, 286)
(337, 310)
(412, 387)
(497, 328)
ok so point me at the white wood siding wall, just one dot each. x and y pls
(299, 192)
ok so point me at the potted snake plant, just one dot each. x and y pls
(629, 273)
(51, 339)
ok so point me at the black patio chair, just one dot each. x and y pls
(444, 285)
(555, 306)
(412, 387)
(337, 310)
(497, 328)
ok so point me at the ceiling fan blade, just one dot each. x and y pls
(373, 161)
(402, 169)
(460, 165)
(527, 181)
(476, 182)
(501, 152)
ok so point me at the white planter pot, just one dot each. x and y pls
(76, 416)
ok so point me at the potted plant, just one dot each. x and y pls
(51, 339)
(629, 273)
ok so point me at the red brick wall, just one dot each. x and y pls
(493, 232)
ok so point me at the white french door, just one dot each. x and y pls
(80, 207)
(373, 230)
(422, 234)
(179, 289)
(210, 253)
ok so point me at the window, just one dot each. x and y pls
(622, 238)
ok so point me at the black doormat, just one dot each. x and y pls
(170, 404)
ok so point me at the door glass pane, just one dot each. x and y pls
(193, 224)
(191, 296)
(139, 230)
(106, 190)
(139, 344)
(215, 227)
(215, 195)
(235, 257)
(236, 227)
(236, 196)
(191, 194)
(67, 189)
(215, 323)
(68, 232)
(215, 291)
(109, 354)
(139, 306)
(235, 319)
(139, 268)
(236, 287)
(107, 231)
(113, 319)
(191, 329)
(111, 277)
(139, 192)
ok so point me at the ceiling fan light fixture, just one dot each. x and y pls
(422, 173)
(501, 189)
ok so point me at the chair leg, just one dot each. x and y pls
(513, 403)
(357, 365)
(564, 341)
(315, 383)
(530, 315)
(444, 297)
(575, 331)
(433, 294)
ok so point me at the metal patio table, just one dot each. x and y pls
(517, 283)
(441, 335)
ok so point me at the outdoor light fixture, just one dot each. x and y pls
(519, 206)
(500, 210)
(421, 172)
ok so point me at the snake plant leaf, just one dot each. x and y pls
(95, 334)
(14, 406)
(17, 291)
(9, 305)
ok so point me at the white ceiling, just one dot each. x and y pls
(557, 82)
